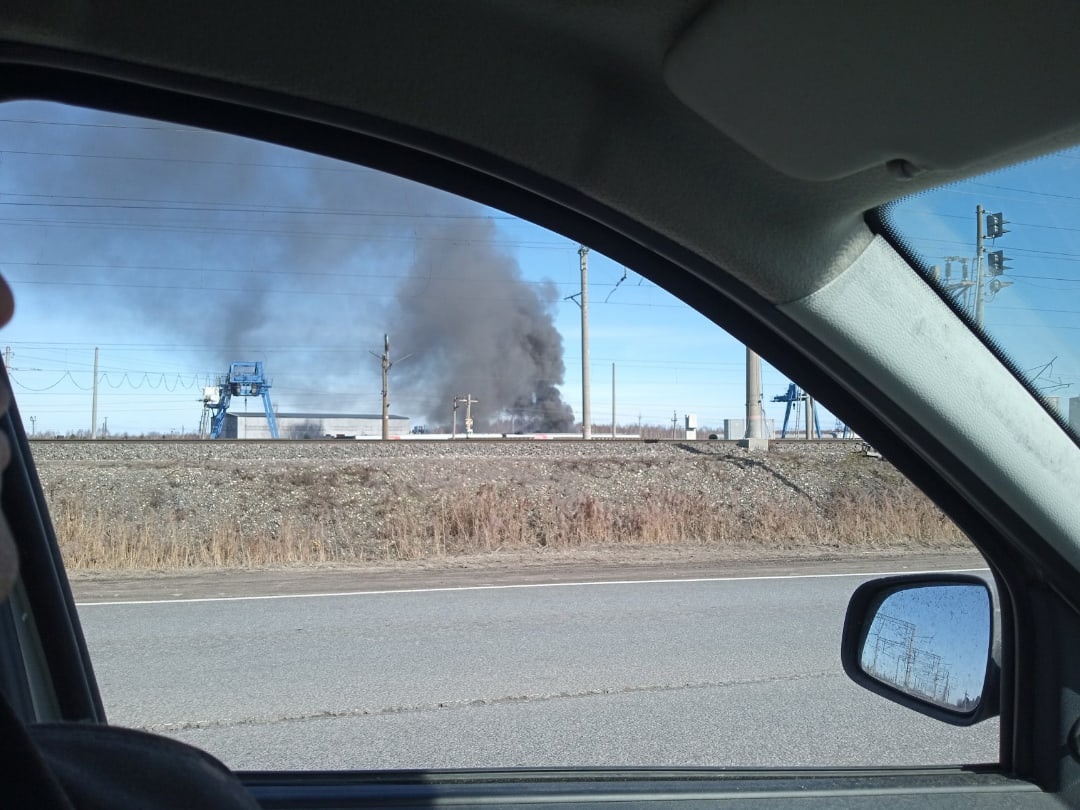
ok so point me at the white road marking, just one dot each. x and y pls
(868, 575)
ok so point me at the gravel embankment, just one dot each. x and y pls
(355, 487)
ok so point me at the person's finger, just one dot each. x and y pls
(7, 302)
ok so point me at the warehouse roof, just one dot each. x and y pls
(262, 415)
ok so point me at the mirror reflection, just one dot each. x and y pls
(932, 642)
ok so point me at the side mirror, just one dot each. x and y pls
(927, 642)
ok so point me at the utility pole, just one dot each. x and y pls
(386, 388)
(33, 425)
(755, 438)
(586, 414)
(961, 288)
(7, 358)
(674, 424)
(613, 400)
(468, 402)
(93, 409)
(995, 259)
(384, 358)
(809, 416)
(979, 237)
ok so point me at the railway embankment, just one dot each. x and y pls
(199, 504)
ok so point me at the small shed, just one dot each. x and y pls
(312, 426)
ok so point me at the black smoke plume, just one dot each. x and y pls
(208, 249)
(473, 327)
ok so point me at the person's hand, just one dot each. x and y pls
(9, 557)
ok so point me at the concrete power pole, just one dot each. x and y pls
(613, 400)
(386, 388)
(93, 407)
(755, 438)
(586, 413)
(384, 358)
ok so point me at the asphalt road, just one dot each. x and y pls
(741, 672)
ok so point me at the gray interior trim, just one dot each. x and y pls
(965, 396)
(597, 102)
(793, 83)
(36, 667)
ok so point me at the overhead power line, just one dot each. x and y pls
(166, 382)
(200, 228)
(98, 125)
(343, 167)
(217, 271)
(464, 294)
(136, 204)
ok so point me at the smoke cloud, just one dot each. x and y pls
(206, 249)
(475, 328)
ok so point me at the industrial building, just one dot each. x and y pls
(312, 426)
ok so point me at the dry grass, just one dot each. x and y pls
(491, 521)
(492, 518)
(91, 539)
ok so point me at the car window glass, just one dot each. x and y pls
(1004, 247)
(484, 588)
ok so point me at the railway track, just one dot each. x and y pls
(422, 441)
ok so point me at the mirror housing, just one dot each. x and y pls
(928, 642)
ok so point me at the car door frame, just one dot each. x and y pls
(1034, 583)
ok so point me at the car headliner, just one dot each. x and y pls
(586, 104)
(727, 160)
(581, 93)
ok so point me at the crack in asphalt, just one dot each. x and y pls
(194, 725)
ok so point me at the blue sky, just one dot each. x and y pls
(1035, 319)
(951, 621)
(176, 251)
(158, 244)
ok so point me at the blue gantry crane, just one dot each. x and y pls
(793, 397)
(245, 379)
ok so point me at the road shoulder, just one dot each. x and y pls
(488, 569)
